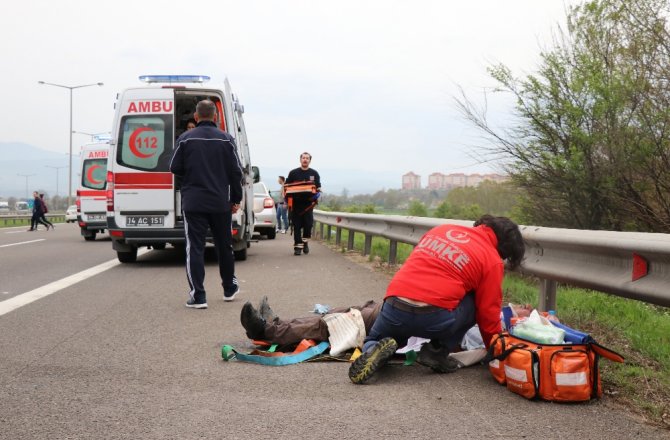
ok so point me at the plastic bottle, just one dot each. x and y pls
(551, 316)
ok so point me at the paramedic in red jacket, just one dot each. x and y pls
(451, 281)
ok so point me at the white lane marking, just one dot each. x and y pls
(22, 242)
(23, 299)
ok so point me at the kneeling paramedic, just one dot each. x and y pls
(451, 280)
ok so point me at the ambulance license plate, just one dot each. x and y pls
(144, 221)
(97, 218)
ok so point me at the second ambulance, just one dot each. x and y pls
(92, 194)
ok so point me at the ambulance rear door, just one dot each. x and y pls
(143, 186)
(92, 191)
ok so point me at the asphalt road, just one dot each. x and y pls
(118, 356)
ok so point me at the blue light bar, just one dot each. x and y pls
(174, 78)
(103, 137)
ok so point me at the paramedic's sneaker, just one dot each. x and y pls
(305, 248)
(367, 364)
(436, 359)
(193, 304)
(229, 295)
(297, 250)
(265, 310)
(252, 322)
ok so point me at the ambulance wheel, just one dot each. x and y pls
(272, 234)
(127, 257)
(241, 255)
(90, 236)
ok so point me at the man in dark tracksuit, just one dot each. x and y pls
(302, 204)
(211, 191)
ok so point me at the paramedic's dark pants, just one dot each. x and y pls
(302, 224)
(401, 320)
(286, 332)
(195, 227)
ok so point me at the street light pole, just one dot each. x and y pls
(57, 173)
(26, 176)
(71, 88)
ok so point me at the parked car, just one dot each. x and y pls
(71, 214)
(265, 212)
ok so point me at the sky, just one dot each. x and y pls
(364, 86)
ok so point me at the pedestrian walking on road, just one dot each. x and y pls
(38, 213)
(45, 210)
(303, 189)
(282, 208)
(206, 160)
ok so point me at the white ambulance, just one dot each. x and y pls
(143, 200)
(92, 193)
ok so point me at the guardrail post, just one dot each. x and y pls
(321, 231)
(338, 236)
(350, 240)
(330, 228)
(368, 244)
(393, 251)
(547, 299)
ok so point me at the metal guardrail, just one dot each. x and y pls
(629, 264)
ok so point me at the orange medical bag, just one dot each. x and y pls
(556, 372)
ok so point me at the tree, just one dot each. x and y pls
(443, 210)
(591, 148)
(417, 209)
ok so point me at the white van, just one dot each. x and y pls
(23, 207)
(143, 200)
(92, 194)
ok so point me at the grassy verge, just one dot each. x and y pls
(638, 331)
(7, 223)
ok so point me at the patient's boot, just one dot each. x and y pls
(265, 311)
(437, 359)
(252, 322)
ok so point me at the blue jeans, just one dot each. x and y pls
(401, 320)
(282, 215)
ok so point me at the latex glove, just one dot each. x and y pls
(316, 196)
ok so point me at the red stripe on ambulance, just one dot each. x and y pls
(91, 193)
(143, 180)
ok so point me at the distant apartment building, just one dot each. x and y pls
(497, 178)
(411, 181)
(436, 181)
(455, 180)
(449, 181)
(473, 179)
